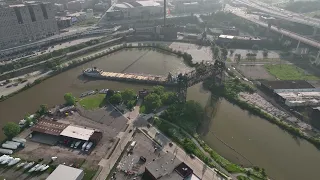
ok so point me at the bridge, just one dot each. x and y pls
(281, 13)
(204, 71)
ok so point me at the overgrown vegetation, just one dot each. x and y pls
(157, 98)
(289, 72)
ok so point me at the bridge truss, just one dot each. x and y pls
(205, 70)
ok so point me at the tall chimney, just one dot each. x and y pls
(164, 12)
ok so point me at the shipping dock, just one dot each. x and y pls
(130, 77)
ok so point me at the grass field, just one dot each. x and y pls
(289, 72)
(93, 102)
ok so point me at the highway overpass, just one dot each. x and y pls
(282, 14)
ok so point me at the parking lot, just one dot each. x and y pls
(68, 155)
(131, 165)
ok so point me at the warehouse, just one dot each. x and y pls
(63, 172)
(133, 10)
(299, 97)
(270, 86)
(51, 132)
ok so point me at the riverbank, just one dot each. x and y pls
(59, 68)
(231, 92)
(191, 145)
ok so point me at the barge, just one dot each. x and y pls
(130, 77)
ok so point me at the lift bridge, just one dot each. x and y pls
(206, 70)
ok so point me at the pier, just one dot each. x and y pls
(130, 77)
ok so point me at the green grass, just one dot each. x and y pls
(93, 102)
(289, 72)
(142, 109)
(89, 174)
(243, 178)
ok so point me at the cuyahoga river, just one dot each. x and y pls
(262, 143)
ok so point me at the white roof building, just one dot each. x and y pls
(77, 132)
(63, 172)
(302, 97)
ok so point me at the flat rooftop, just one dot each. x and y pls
(77, 132)
(163, 165)
(63, 172)
(296, 84)
(49, 127)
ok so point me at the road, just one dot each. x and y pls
(254, 19)
(125, 138)
(199, 168)
(31, 77)
(281, 13)
(56, 47)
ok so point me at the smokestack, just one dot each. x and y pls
(164, 12)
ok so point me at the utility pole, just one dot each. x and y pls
(164, 12)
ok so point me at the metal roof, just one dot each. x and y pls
(77, 132)
(63, 172)
(49, 127)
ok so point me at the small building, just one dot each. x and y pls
(299, 97)
(63, 172)
(81, 133)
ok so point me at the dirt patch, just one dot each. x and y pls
(255, 72)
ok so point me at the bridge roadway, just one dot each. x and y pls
(284, 32)
(283, 14)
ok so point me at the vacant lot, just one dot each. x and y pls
(289, 72)
(255, 72)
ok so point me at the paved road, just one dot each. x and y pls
(281, 13)
(252, 18)
(125, 137)
(199, 168)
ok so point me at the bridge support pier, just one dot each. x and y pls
(297, 47)
(315, 29)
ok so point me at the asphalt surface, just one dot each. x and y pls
(281, 13)
(241, 13)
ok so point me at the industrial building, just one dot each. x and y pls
(51, 132)
(270, 86)
(63, 172)
(230, 38)
(299, 97)
(23, 23)
(168, 167)
(133, 10)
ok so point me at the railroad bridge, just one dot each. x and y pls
(203, 71)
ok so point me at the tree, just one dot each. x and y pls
(216, 51)
(127, 95)
(263, 172)
(70, 99)
(224, 52)
(43, 110)
(115, 99)
(265, 53)
(168, 98)
(11, 129)
(110, 93)
(158, 90)
(152, 101)
(193, 111)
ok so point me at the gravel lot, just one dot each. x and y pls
(259, 101)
